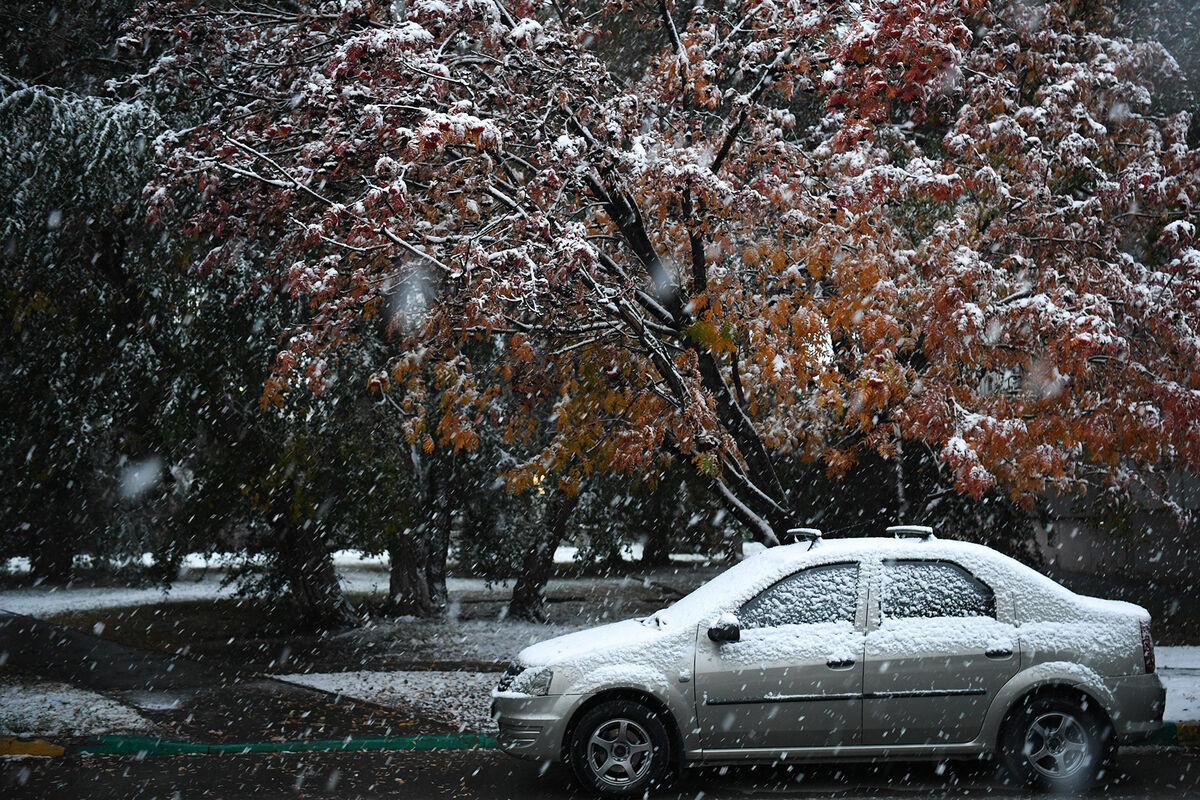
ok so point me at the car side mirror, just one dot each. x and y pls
(725, 629)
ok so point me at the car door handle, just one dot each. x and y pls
(999, 653)
(841, 664)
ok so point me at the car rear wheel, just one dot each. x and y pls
(620, 748)
(1056, 743)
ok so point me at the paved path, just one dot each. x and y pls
(58, 653)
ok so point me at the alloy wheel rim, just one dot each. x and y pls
(1056, 745)
(619, 752)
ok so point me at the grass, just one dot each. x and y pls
(177, 626)
(213, 625)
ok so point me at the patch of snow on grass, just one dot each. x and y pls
(1177, 657)
(48, 601)
(47, 708)
(1179, 668)
(461, 699)
(416, 639)
(1183, 697)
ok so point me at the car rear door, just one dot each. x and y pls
(795, 677)
(935, 655)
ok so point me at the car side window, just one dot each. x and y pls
(933, 589)
(819, 594)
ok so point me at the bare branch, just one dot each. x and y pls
(764, 81)
(672, 33)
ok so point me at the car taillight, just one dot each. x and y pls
(1147, 646)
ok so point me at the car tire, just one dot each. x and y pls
(620, 748)
(1056, 743)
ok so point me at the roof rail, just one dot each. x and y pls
(810, 535)
(922, 532)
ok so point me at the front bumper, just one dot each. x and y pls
(533, 727)
(1139, 702)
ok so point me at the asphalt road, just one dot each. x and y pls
(53, 651)
(1142, 773)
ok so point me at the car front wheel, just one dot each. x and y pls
(1056, 744)
(620, 748)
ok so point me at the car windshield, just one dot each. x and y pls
(729, 584)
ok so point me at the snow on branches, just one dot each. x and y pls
(797, 231)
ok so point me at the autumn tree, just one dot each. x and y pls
(812, 233)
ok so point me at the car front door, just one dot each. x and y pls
(794, 679)
(936, 655)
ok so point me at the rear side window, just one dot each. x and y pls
(819, 594)
(933, 589)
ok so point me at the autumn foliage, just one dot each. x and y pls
(799, 232)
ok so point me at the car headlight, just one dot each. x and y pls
(533, 681)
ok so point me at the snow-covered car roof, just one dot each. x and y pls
(1001, 573)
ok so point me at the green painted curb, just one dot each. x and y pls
(153, 745)
(1186, 734)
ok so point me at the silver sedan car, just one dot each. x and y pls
(860, 649)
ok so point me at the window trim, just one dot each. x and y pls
(858, 592)
(885, 563)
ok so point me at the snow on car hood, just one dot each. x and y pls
(591, 642)
(635, 652)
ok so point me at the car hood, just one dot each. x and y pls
(589, 643)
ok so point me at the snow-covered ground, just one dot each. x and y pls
(1179, 668)
(355, 559)
(47, 601)
(49, 708)
(461, 699)
(429, 640)
(203, 577)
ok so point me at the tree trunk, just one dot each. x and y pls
(901, 496)
(734, 545)
(417, 579)
(53, 562)
(437, 530)
(529, 592)
(308, 566)
(614, 562)
(408, 583)
(656, 550)
(435, 564)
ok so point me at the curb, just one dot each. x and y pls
(13, 746)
